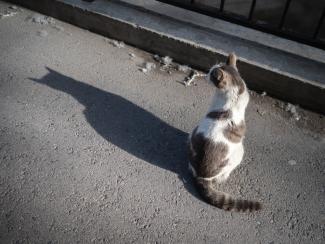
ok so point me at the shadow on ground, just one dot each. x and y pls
(127, 125)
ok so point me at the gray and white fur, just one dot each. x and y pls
(216, 144)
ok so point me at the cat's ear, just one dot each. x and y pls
(218, 74)
(232, 60)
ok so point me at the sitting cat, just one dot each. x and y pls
(216, 144)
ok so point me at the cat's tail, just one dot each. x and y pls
(223, 200)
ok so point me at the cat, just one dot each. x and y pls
(216, 144)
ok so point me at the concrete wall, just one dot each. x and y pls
(165, 36)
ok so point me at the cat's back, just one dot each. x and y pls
(213, 129)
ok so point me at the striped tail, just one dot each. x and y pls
(223, 200)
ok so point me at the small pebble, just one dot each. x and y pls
(166, 60)
(183, 68)
(261, 112)
(156, 57)
(41, 19)
(42, 33)
(292, 162)
(118, 44)
(70, 150)
(292, 110)
(149, 66)
(59, 28)
(7, 14)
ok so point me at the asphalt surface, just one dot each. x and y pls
(92, 150)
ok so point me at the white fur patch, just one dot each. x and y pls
(214, 129)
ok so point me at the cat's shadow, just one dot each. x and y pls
(127, 125)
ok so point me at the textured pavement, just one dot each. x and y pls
(92, 150)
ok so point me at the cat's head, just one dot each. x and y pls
(226, 77)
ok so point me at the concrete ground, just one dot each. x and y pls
(92, 150)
